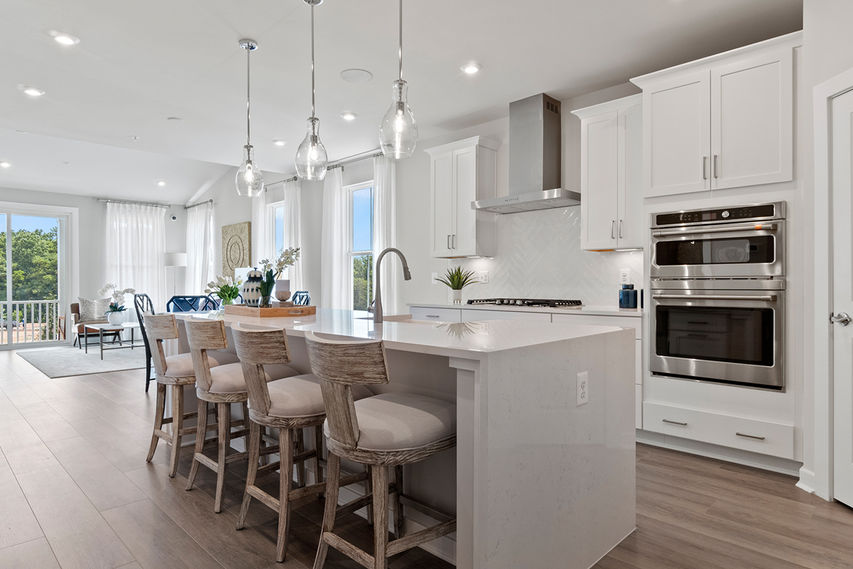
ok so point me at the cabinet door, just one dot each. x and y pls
(599, 181)
(752, 118)
(676, 120)
(632, 227)
(463, 240)
(442, 204)
(480, 315)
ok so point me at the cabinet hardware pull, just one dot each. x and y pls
(448, 241)
(704, 167)
(747, 436)
(454, 241)
(620, 229)
(431, 315)
(671, 422)
(613, 229)
(750, 227)
(716, 167)
(727, 297)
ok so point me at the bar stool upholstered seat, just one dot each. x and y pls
(289, 405)
(387, 430)
(176, 372)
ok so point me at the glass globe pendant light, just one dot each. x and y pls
(249, 180)
(311, 157)
(398, 133)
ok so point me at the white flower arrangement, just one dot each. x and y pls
(116, 296)
(285, 259)
(226, 288)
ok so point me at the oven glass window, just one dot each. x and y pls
(737, 335)
(737, 250)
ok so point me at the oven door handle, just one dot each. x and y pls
(760, 297)
(724, 229)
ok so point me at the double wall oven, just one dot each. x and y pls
(718, 295)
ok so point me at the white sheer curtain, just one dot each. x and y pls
(135, 248)
(385, 230)
(201, 265)
(293, 230)
(335, 264)
(262, 243)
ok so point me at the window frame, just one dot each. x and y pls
(351, 253)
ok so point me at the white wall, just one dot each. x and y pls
(538, 253)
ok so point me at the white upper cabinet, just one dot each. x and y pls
(722, 122)
(611, 175)
(460, 173)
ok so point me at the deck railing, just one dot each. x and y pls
(29, 321)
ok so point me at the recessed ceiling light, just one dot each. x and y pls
(5, 165)
(63, 39)
(161, 183)
(355, 75)
(279, 142)
(471, 68)
(348, 116)
(30, 91)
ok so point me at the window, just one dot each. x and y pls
(278, 227)
(361, 244)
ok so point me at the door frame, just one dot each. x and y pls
(819, 477)
(70, 272)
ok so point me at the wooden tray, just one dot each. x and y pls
(275, 311)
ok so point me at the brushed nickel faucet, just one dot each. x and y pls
(377, 302)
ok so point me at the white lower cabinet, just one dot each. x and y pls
(436, 314)
(474, 315)
(764, 437)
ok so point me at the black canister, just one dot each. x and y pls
(627, 296)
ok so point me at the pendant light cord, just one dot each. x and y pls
(248, 97)
(313, 90)
(400, 36)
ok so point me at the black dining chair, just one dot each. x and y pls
(190, 303)
(143, 305)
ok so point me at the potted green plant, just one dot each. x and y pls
(285, 259)
(225, 287)
(456, 279)
(116, 306)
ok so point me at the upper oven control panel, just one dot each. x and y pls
(721, 215)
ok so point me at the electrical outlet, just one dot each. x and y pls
(624, 276)
(434, 278)
(482, 276)
(583, 388)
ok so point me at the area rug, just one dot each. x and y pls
(66, 361)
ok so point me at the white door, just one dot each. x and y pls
(632, 229)
(677, 112)
(600, 181)
(442, 204)
(752, 118)
(842, 258)
(463, 239)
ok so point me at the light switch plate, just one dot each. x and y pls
(624, 276)
(481, 276)
(583, 388)
(434, 279)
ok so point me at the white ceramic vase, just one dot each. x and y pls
(115, 318)
(455, 296)
(282, 290)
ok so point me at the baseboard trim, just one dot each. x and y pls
(807, 480)
(738, 456)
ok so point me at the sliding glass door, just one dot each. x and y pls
(30, 278)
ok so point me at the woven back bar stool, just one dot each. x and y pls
(175, 373)
(383, 431)
(289, 405)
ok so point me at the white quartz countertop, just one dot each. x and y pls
(440, 338)
(586, 310)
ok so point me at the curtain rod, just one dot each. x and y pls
(375, 153)
(151, 204)
(198, 204)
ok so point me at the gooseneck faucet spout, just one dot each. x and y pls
(377, 303)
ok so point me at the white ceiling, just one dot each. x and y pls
(141, 62)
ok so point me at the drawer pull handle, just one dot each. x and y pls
(671, 422)
(747, 436)
(431, 315)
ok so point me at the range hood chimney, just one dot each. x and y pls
(534, 159)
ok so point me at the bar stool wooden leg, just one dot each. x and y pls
(177, 427)
(367, 483)
(333, 475)
(285, 441)
(255, 434)
(300, 448)
(223, 443)
(201, 431)
(398, 503)
(318, 448)
(379, 477)
(159, 412)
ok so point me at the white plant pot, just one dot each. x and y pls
(455, 296)
(282, 290)
(115, 318)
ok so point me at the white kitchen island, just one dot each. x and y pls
(537, 480)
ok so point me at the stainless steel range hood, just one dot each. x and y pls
(534, 160)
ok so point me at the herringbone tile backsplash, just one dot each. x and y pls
(539, 255)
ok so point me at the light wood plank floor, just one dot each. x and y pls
(75, 492)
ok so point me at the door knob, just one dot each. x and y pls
(841, 318)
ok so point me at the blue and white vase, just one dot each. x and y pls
(252, 288)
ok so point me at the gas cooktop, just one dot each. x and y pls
(549, 302)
